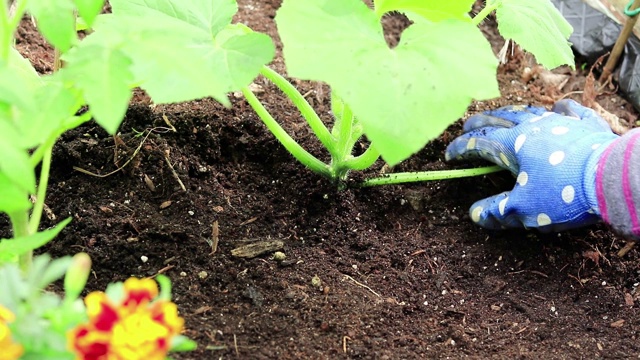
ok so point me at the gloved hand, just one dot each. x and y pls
(554, 156)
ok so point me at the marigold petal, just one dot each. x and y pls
(102, 313)
(88, 343)
(10, 350)
(166, 313)
(6, 315)
(139, 290)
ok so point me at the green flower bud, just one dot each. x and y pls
(77, 275)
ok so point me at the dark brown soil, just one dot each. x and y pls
(404, 273)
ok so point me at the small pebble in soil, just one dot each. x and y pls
(144, 258)
(183, 274)
(203, 275)
(191, 212)
(279, 256)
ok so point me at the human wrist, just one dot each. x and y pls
(617, 184)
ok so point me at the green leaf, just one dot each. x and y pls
(181, 343)
(55, 269)
(12, 197)
(185, 49)
(539, 28)
(16, 166)
(9, 248)
(103, 74)
(165, 287)
(89, 9)
(56, 21)
(210, 16)
(433, 10)
(22, 68)
(15, 89)
(56, 103)
(404, 96)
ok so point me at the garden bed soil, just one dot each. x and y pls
(400, 271)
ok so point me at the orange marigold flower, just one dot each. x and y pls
(137, 327)
(10, 350)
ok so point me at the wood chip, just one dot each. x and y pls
(149, 183)
(215, 237)
(165, 204)
(617, 324)
(202, 309)
(258, 248)
(105, 209)
(628, 299)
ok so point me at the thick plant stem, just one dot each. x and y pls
(20, 227)
(312, 118)
(345, 133)
(363, 161)
(402, 178)
(488, 9)
(36, 213)
(287, 141)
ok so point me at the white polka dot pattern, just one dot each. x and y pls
(522, 178)
(556, 157)
(549, 153)
(568, 194)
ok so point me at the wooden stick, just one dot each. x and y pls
(619, 46)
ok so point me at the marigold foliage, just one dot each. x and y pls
(9, 349)
(138, 326)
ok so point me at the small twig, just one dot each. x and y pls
(539, 273)
(121, 167)
(173, 171)
(163, 270)
(166, 120)
(361, 284)
(626, 248)
(235, 344)
(344, 343)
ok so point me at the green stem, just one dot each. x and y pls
(20, 227)
(303, 106)
(287, 141)
(344, 135)
(488, 9)
(36, 213)
(363, 161)
(6, 32)
(401, 178)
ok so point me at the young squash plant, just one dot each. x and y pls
(402, 97)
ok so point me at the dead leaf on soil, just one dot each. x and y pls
(258, 248)
(589, 100)
(593, 256)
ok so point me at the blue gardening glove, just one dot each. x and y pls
(553, 156)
